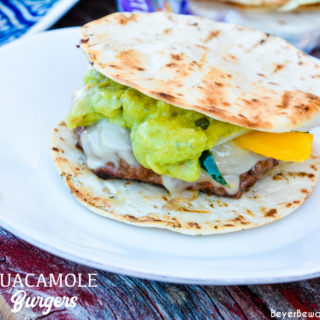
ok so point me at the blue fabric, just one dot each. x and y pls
(18, 16)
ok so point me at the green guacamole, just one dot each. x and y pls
(165, 139)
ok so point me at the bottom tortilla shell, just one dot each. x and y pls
(281, 191)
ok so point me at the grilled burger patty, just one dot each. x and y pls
(139, 173)
(124, 171)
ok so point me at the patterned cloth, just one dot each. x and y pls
(19, 16)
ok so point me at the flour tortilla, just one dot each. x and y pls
(301, 28)
(282, 5)
(290, 25)
(230, 73)
(281, 191)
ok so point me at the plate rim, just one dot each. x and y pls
(134, 272)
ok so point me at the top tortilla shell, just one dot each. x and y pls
(230, 73)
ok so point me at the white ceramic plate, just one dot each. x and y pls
(38, 75)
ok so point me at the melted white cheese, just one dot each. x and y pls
(174, 185)
(234, 160)
(231, 160)
(106, 142)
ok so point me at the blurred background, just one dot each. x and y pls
(85, 11)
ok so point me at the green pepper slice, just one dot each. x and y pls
(208, 164)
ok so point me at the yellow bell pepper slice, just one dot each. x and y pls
(287, 146)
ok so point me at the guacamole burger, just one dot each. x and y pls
(197, 111)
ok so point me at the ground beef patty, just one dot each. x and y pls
(139, 173)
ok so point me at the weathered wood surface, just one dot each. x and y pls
(121, 297)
